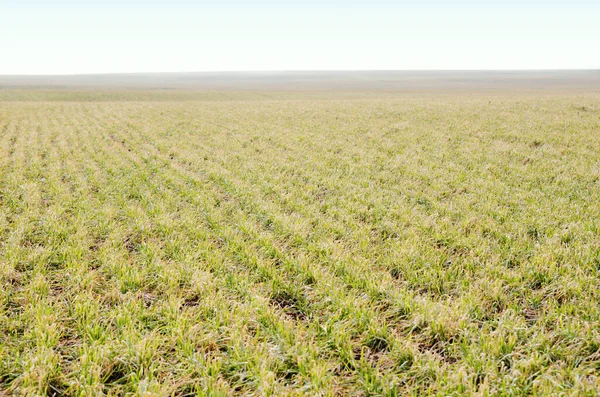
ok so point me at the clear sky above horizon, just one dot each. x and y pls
(68, 37)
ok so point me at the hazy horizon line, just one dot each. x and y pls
(251, 71)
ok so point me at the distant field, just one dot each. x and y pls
(356, 243)
(321, 81)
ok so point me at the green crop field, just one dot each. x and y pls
(184, 243)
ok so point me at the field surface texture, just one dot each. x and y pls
(268, 244)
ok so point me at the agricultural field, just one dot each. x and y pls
(208, 243)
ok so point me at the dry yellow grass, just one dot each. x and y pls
(299, 244)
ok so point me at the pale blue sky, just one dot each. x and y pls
(63, 37)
